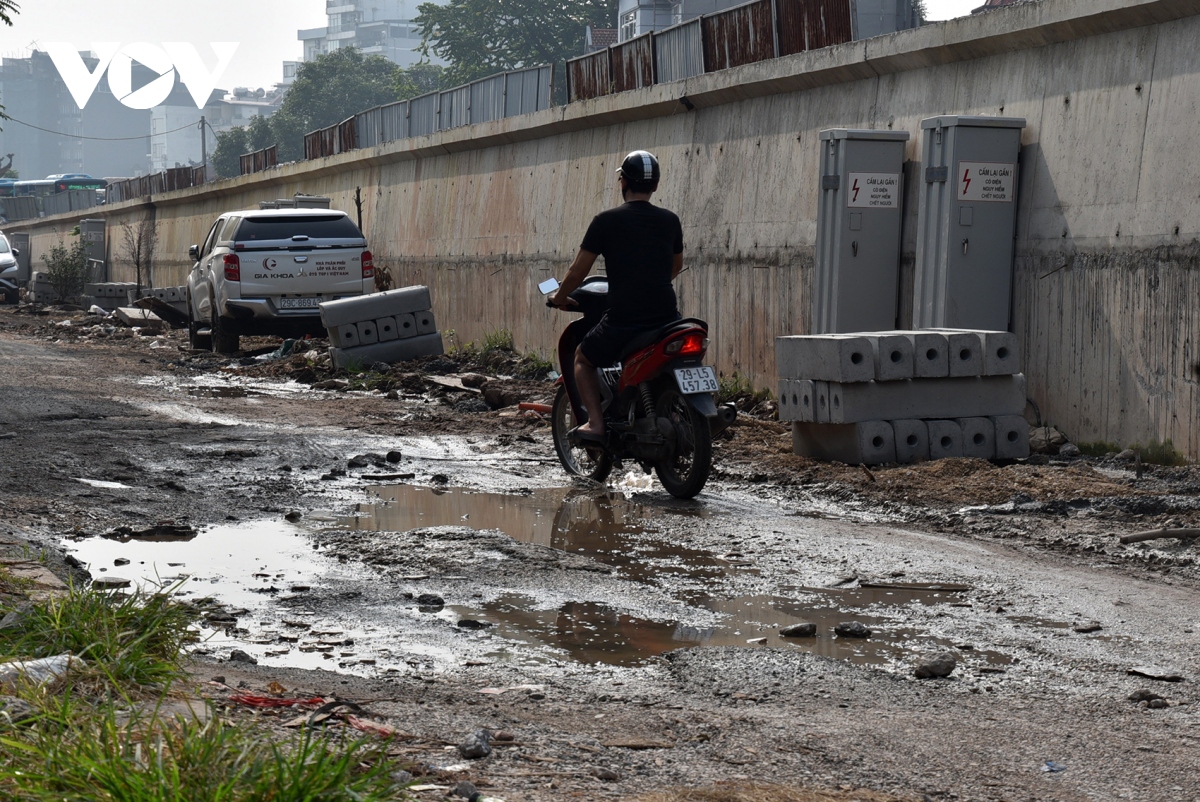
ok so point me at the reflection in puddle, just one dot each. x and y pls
(222, 391)
(620, 532)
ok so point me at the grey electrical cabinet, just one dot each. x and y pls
(24, 258)
(92, 233)
(858, 231)
(966, 222)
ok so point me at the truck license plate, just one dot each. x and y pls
(298, 303)
(696, 380)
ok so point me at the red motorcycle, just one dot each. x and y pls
(659, 402)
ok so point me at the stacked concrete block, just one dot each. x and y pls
(393, 326)
(109, 295)
(39, 289)
(937, 393)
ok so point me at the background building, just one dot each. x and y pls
(176, 139)
(377, 27)
(105, 139)
(874, 17)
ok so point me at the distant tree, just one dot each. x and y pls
(8, 7)
(330, 89)
(482, 37)
(920, 11)
(226, 159)
(13, 174)
(420, 79)
(259, 134)
(138, 243)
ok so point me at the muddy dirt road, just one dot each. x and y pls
(427, 558)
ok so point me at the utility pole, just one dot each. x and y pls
(203, 145)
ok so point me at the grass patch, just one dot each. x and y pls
(71, 751)
(499, 340)
(1098, 449)
(736, 387)
(137, 638)
(1153, 453)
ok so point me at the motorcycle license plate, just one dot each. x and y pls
(696, 380)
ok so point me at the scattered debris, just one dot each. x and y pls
(936, 666)
(37, 671)
(801, 630)
(1161, 534)
(852, 629)
(1156, 672)
(478, 745)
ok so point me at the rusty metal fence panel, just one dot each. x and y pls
(813, 24)
(487, 99)
(679, 52)
(322, 143)
(423, 114)
(254, 162)
(347, 135)
(589, 76)
(741, 35)
(633, 63)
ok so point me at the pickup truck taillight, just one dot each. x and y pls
(233, 267)
(368, 265)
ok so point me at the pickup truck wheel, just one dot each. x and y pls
(223, 340)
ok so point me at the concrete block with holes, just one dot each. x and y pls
(425, 322)
(385, 329)
(345, 336)
(406, 326)
(1012, 436)
(838, 358)
(866, 443)
(391, 352)
(930, 353)
(796, 397)
(912, 440)
(978, 437)
(367, 334)
(1001, 350)
(965, 353)
(945, 439)
(821, 402)
(407, 300)
(950, 398)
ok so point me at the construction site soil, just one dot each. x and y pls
(629, 643)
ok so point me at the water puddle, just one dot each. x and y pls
(292, 605)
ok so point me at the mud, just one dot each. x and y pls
(619, 634)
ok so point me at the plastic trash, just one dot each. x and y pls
(1051, 765)
(95, 310)
(282, 351)
(38, 671)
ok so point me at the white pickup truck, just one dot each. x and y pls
(265, 272)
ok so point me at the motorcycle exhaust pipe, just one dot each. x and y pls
(726, 415)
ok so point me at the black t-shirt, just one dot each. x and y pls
(638, 241)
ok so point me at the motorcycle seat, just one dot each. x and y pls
(654, 335)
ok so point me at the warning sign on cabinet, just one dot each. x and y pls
(989, 182)
(873, 191)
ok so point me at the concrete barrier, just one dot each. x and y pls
(390, 352)
(968, 397)
(867, 443)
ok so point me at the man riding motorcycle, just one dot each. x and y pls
(642, 246)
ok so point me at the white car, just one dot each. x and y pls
(265, 272)
(9, 288)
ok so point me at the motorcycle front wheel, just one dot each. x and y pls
(591, 463)
(685, 471)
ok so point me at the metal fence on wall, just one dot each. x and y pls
(259, 160)
(505, 95)
(755, 31)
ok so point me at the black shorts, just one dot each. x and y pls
(604, 343)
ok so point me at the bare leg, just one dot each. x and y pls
(588, 384)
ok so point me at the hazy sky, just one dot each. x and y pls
(266, 29)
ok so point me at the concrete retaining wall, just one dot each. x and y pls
(1106, 290)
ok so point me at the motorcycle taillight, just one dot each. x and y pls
(691, 344)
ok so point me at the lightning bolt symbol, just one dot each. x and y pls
(966, 180)
(855, 188)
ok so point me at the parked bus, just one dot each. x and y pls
(8, 187)
(55, 184)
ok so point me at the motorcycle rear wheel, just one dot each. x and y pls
(685, 472)
(591, 463)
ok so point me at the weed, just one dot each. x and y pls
(1164, 453)
(736, 387)
(534, 366)
(76, 752)
(13, 585)
(137, 638)
(499, 340)
(1098, 449)
(355, 366)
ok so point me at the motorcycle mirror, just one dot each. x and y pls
(548, 286)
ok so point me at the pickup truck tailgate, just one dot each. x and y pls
(325, 272)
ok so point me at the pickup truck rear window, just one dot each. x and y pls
(334, 226)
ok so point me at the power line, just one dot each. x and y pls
(102, 138)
